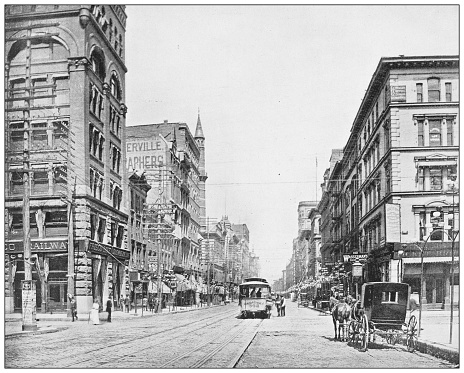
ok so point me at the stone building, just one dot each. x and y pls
(314, 255)
(301, 243)
(65, 141)
(172, 160)
(398, 192)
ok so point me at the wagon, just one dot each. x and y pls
(382, 312)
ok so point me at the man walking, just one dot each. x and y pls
(109, 305)
(282, 306)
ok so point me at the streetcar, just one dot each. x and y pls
(382, 312)
(255, 299)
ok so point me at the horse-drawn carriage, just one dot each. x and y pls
(382, 312)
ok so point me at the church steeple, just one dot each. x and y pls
(199, 131)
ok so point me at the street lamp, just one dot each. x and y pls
(400, 265)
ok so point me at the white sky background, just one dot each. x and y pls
(276, 87)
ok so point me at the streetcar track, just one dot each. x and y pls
(139, 338)
(204, 359)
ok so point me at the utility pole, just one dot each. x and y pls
(71, 274)
(453, 238)
(158, 254)
(208, 265)
(28, 285)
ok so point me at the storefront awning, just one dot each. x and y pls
(153, 288)
(436, 259)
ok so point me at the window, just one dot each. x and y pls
(113, 233)
(388, 179)
(437, 220)
(448, 92)
(419, 90)
(420, 133)
(389, 297)
(115, 87)
(434, 132)
(56, 223)
(17, 92)
(41, 88)
(40, 182)
(17, 182)
(98, 64)
(433, 89)
(60, 134)
(436, 178)
(93, 226)
(120, 236)
(39, 136)
(377, 110)
(101, 230)
(386, 136)
(449, 132)
(60, 175)
(421, 178)
(16, 136)
(61, 91)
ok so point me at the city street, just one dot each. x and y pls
(206, 338)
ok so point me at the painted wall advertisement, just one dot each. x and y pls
(146, 154)
(392, 222)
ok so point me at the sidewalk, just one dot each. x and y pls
(435, 333)
(49, 323)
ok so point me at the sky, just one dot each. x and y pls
(277, 87)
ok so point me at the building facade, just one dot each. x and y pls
(171, 159)
(398, 190)
(65, 140)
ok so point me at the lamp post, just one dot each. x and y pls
(400, 265)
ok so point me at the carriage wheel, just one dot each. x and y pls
(352, 332)
(364, 333)
(411, 339)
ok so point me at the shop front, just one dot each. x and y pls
(49, 261)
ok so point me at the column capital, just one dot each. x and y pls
(78, 63)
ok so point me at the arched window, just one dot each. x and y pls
(98, 63)
(115, 86)
(42, 49)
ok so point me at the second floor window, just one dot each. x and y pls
(419, 91)
(435, 132)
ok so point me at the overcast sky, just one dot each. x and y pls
(277, 86)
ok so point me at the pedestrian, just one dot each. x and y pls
(127, 304)
(94, 313)
(73, 307)
(282, 306)
(156, 302)
(121, 303)
(109, 305)
(145, 303)
(151, 303)
(277, 303)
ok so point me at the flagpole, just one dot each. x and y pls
(316, 178)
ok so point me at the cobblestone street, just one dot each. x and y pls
(209, 338)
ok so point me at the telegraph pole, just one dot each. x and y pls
(28, 285)
(158, 254)
(208, 265)
(71, 274)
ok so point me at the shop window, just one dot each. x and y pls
(40, 182)
(433, 89)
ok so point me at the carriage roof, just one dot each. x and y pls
(255, 283)
(385, 302)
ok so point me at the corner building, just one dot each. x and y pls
(395, 187)
(65, 141)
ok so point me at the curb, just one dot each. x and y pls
(429, 348)
(36, 332)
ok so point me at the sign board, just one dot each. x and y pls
(356, 271)
(145, 154)
(257, 304)
(355, 257)
(107, 250)
(29, 304)
(38, 246)
(398, 93)
(392, 222)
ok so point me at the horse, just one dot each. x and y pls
(341, 313)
